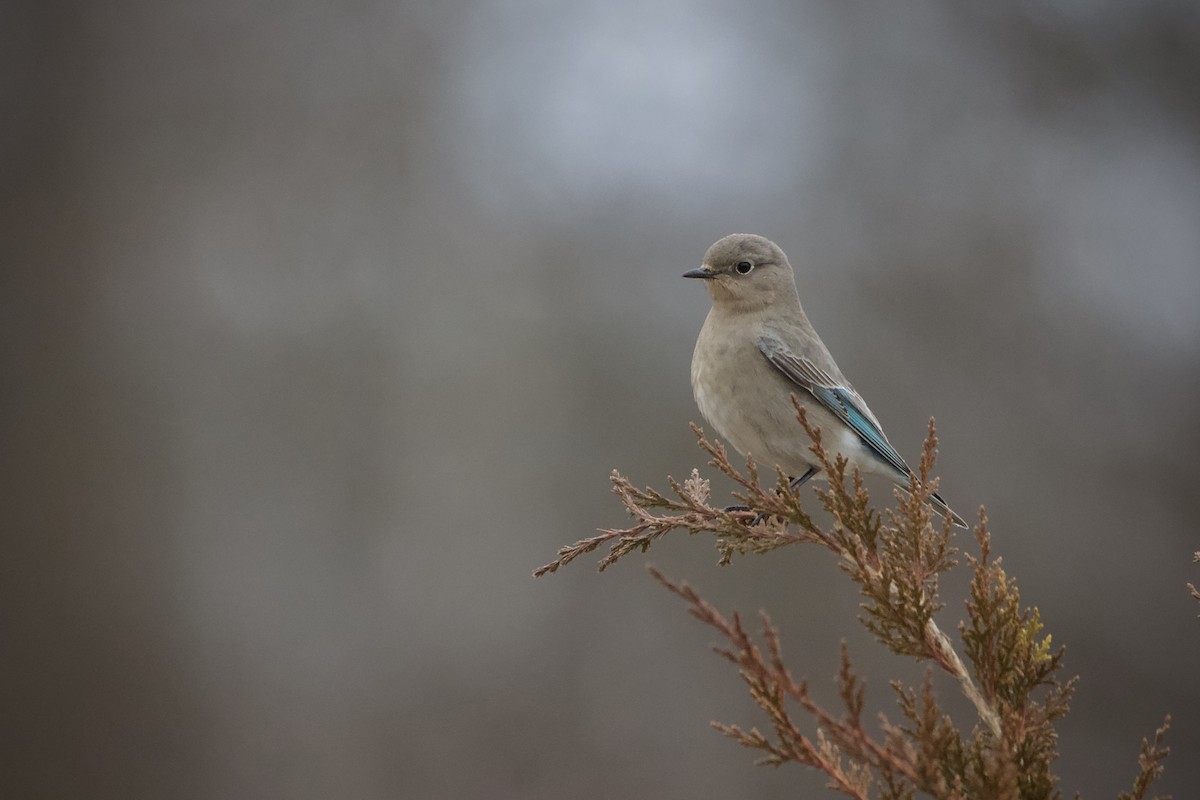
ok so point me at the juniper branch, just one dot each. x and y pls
(896, 563)
(1150, 763)
(771, 684)
(1008, 673)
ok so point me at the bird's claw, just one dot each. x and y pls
(758, 518)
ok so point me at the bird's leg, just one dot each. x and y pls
(793, 485)
(796, 483)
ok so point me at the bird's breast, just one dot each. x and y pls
(740, 396)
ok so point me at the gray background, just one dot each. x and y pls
(323, 326)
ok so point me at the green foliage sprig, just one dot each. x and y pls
(895, 558)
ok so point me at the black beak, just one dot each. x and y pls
(700, 273)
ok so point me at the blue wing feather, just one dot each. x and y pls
(844, 406)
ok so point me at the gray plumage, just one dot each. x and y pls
(757, 348)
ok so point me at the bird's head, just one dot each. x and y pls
(746, 272)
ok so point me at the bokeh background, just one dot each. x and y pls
(324, 325)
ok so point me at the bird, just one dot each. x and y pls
(757, 349)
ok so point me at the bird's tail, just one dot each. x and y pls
(939, 505)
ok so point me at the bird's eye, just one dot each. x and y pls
(744, 267)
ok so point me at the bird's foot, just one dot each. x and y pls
(794, 484)
(758, 518)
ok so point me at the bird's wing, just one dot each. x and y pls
(842, 401)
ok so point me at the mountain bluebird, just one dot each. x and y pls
(756, 349)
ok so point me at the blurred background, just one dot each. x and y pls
(324, 325)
